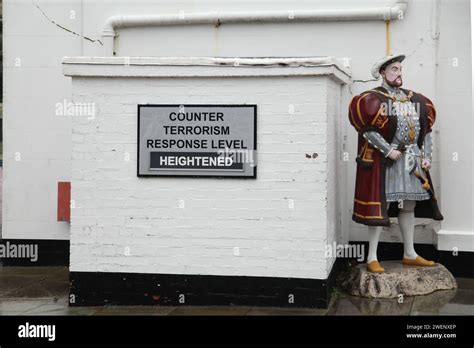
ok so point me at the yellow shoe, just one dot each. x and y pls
(374, 267)
(419, 261)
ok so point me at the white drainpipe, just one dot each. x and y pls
(395, 11)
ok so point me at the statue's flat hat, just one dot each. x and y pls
(382, 63)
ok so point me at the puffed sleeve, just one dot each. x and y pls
(366, 113)
(427, 148)
(430, 113)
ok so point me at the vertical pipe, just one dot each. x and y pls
(108, 41)
(387, 37)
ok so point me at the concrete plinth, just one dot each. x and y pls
(398, 279)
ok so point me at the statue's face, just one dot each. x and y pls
(392, 74)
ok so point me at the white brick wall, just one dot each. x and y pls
(31, 90)
(333, 164)
(116, 213)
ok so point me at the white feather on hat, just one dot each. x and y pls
(385, 61)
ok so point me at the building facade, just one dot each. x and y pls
(260, 233)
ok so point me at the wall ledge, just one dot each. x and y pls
(204, 67)
(455, 240)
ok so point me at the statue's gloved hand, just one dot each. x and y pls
(426, 164)
(394, 155)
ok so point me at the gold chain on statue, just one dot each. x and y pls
(411, 130)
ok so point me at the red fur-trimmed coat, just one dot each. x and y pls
(369, 111)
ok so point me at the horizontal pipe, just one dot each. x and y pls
(217, 18)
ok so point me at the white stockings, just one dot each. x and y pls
(406, 220)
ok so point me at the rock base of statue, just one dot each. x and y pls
(398, 279)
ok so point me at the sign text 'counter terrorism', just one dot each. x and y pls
(197, 140)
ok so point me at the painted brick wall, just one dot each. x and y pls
(279, 222)
(334, 116)
(34, 84)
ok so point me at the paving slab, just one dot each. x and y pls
(448, 302)
(134, 310)
(354, 305)
(19, 306)
(286, 311)
(210, 310)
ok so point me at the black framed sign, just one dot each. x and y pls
(194, 140)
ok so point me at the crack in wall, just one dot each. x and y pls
(64, 28)
(359, 81)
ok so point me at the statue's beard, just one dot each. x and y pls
(397, 82)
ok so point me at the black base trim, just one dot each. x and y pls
(94, 288)
(49, 252)
(459, 265)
